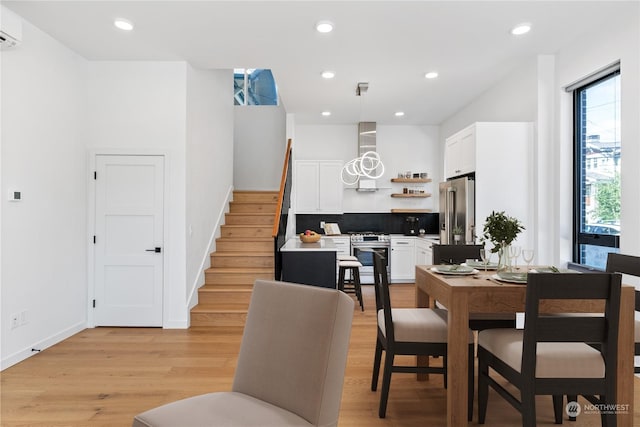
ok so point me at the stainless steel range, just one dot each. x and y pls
(362, 245)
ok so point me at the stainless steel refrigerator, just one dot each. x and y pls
(457, 209)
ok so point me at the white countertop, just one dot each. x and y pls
(430, 237)
(294, 244)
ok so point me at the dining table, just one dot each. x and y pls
(480, 293)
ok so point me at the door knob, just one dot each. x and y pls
(157, 250)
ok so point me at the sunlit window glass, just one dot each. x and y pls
(597, 169)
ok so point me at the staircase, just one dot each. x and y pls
(244, 253)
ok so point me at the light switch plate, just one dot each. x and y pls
(15, 196)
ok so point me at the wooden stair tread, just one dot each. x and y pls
(240, 269)
(249, 213)
(210, 308)
(254, 202)
(243, 254)
(223, 289)
(256, 191)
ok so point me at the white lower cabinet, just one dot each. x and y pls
(343, 244)
(424, 252)
(403, 259)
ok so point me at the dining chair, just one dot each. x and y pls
(628, 264)
(457, 254)
(551, 355)
(290, 369)
(409, 331)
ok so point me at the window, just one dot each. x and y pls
(597, 168)
(254, 87)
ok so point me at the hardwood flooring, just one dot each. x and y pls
(104, 376)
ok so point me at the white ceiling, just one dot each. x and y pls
(389, 44)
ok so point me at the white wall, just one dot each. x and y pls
(209, 169)
(603, 47)
(401, 148)
(514, 99)
(43, 264)
(260, 143)
(525, 95)
(140, 108)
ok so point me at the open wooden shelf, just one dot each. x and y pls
(407, 195)
(410, 210)
(411, 180)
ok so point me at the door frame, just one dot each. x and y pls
(91, 224)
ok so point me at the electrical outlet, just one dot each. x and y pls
(322, 224)
(15, 321)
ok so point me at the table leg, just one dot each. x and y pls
(625, 357)
(422, 300)
(457, 349)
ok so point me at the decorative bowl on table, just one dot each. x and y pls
(310, 237)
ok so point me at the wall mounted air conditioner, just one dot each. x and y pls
(10, 29)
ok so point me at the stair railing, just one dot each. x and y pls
(282, 212)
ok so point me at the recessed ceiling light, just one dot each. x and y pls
(328, 74)
(399, 113)
(123, 24)
(521, 29)
(431, 75)
(326, 113)
(324, 27)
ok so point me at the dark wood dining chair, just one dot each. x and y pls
(628, 264)
(455, 254)
(409, 331)
(551, 356)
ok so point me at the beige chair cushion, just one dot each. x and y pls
(554, 360)
(349, 264)
(219, 409)
(346, 258)
(637, 323)
(418, 325)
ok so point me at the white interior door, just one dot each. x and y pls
(129, 240)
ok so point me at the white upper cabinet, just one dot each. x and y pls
(502, 159)
(460, 153)
(318, 187)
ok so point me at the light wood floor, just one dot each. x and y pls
(104, 376)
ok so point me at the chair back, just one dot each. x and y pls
(455, 254)
(625, 264)
(294, 349)
(383, 299)
(602, 330)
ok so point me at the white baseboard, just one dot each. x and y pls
(27, 352)
(176, 324)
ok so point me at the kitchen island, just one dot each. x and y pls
(309, 263)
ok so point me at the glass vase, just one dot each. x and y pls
(504, 259)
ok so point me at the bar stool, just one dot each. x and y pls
(353, 284)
